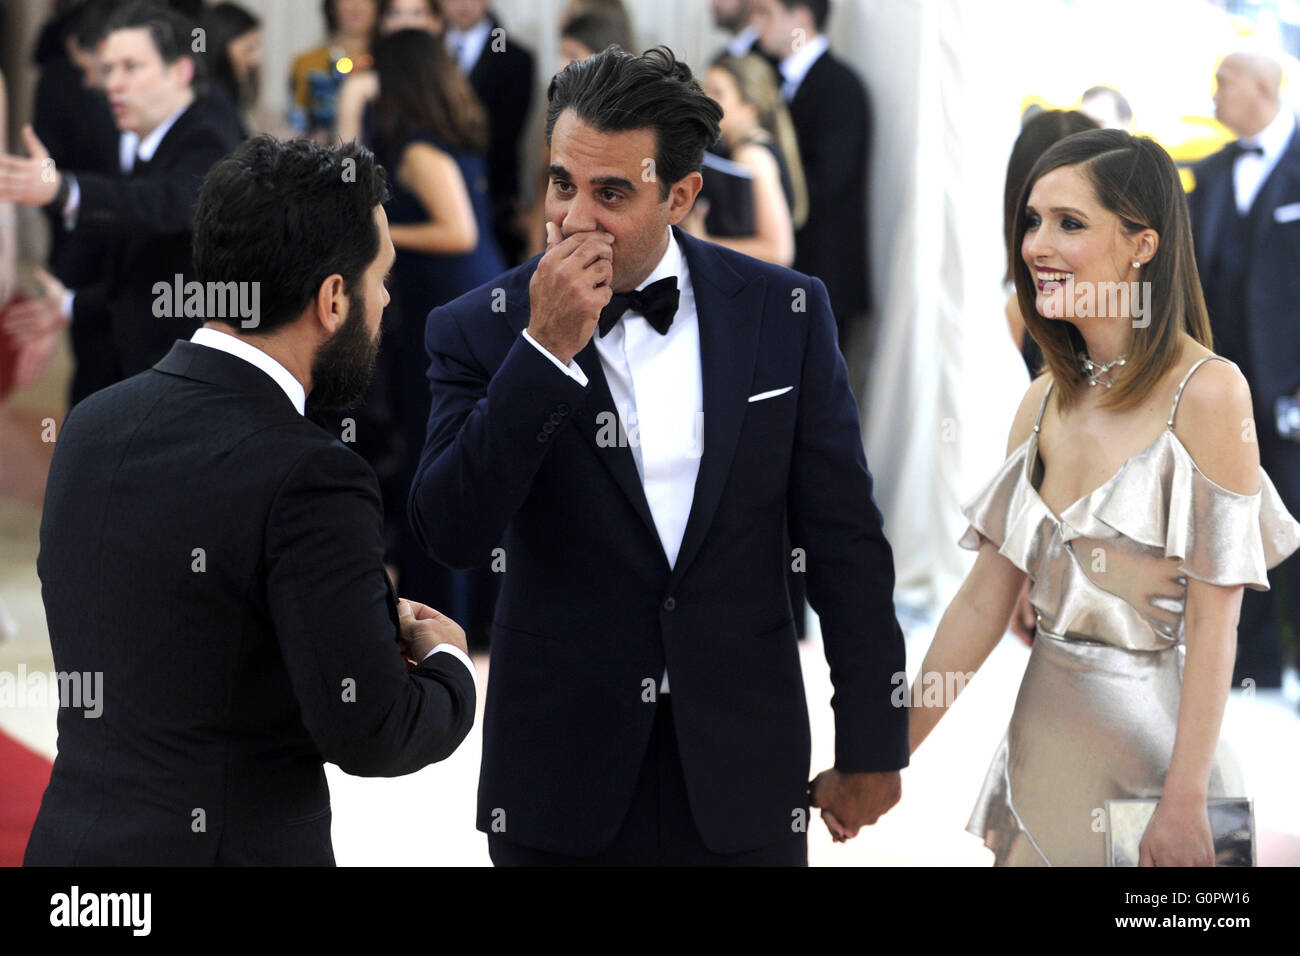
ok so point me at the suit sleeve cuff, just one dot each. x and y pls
(455, 652)
(573, 370)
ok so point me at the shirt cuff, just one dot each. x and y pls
(455, 652)
(573, 370)
(65, 305)
(73, 204)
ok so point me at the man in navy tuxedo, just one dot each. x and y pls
(1246, 221)
(623, 427)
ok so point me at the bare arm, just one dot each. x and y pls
(357, 90)
(1214, 424)
(435, 179)
(977, 617)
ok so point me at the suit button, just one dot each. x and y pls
(542, 436)
(556, 418)
(548, 427)
(562, 408)
(670, 604)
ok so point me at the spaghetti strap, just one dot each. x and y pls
(1043, 407)
(1183, 384)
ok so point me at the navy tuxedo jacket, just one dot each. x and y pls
(1272, 307)
(590, 611)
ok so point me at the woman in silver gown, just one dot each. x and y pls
(1133, 500)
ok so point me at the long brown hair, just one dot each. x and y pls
(420, 88)
(756, 86)
(1136, 180)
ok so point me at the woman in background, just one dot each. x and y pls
(757, 134)
(361, 87)
(234, 42)
(430, 133)
(318, 73)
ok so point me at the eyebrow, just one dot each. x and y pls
(555, 170)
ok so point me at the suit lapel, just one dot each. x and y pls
(729, 310)
(617, 456)
(1274, 189)
(1218, 207)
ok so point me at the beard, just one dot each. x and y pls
(344, 363)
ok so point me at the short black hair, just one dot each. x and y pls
(820, 10)
(287, 215)
(615, 91)
(171, 32)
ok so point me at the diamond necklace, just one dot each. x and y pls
(1093, 370)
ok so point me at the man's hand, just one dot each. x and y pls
(37, 319)
(850, 801)
(32, 181)
(568, 290)
(33, 359)
(423, 629)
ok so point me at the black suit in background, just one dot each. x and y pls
(77, 128)
(148, 216)
(503, 81)
(831, 116)
(1250, 271)
(224, 689)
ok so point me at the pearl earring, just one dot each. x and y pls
(1136, 264)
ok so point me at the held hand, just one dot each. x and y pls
(31, 181)
(1178, 835)
(423, 629)
(568, 290)
(36, 319)
(850, 801)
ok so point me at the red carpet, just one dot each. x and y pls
(23, 777)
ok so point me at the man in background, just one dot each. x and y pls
(1246, 223)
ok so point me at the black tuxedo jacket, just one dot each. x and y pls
(219, 559)
(149, 216)
(1271, 310)
(831, 116)
(590, 611)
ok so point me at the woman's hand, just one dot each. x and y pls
(1179, 834)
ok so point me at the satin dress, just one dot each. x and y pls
(1098, 705)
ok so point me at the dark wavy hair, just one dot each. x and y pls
(287, 215)
(615, 91)
(420, 88)
(1134, 178)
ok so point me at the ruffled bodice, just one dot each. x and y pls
(1113, 566)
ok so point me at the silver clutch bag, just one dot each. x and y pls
(1232, 824)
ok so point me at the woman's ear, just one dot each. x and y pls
(1148, 242)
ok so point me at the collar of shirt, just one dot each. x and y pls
(1273, 137)
(467, 45)
(672, 263)
(743, 42)
(796, 66)
(132, 147)
(225, 342)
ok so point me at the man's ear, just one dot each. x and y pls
(184, 67)
(681, 196)
(331, 306)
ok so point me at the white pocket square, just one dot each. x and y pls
(772, 394)
(1288, 213)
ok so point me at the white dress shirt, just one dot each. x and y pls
(743, 42)
(1250, 171)
(224, 342)
(796, 66)
(658, 391)
(467, 45)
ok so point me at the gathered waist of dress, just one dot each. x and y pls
(1085, 640)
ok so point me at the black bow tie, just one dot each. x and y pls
(1241, 149)
(657, 302)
